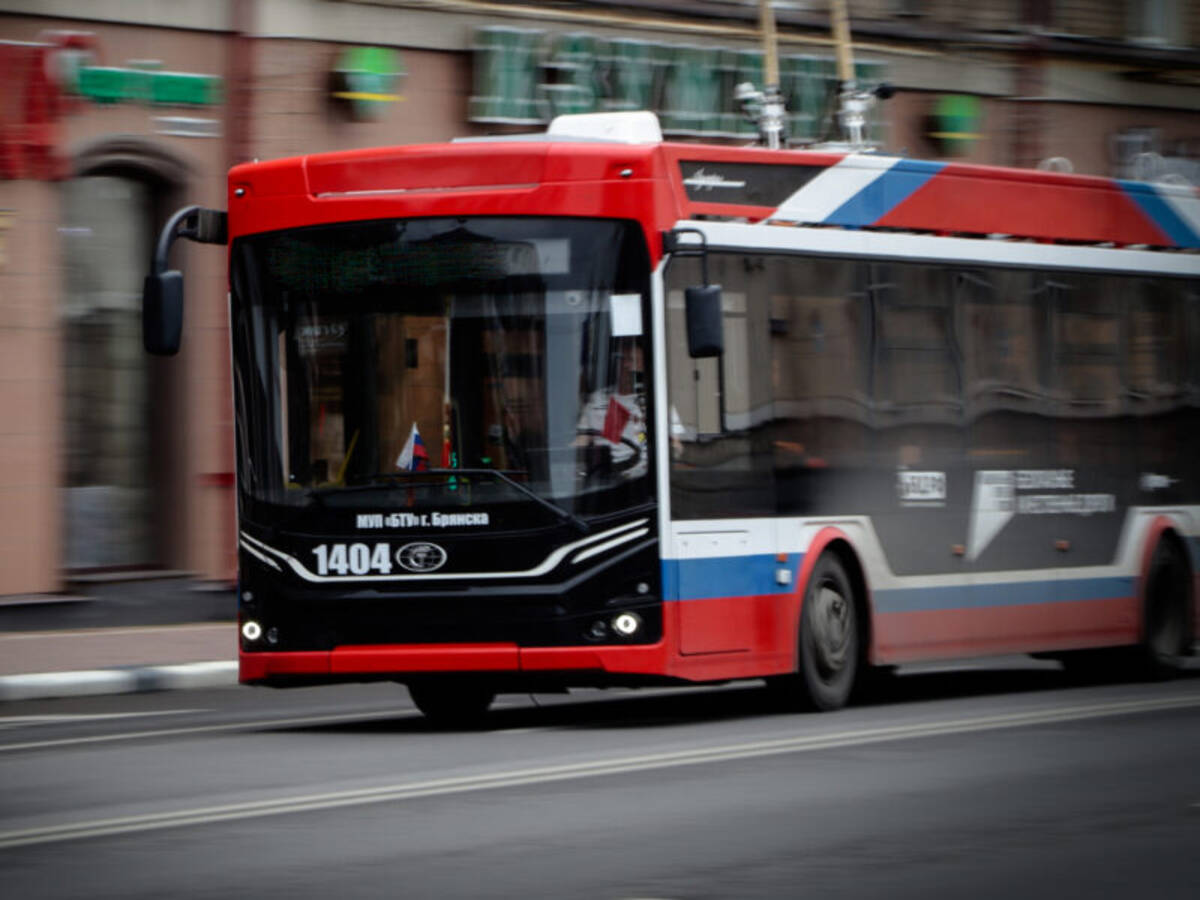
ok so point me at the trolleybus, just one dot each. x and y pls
(588, 408)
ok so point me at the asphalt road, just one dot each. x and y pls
(981, 783)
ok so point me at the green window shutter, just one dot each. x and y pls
(633, 72)
(568, 83)
(692, 92)
(505, 76)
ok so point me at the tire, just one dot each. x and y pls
(1166, 613)
(829, 649)
(452, 703)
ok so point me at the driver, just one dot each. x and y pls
(614, 417)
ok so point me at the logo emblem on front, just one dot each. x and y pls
(421, 556)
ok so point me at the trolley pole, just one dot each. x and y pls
(852, 103)
(771, 116)
(841, 43)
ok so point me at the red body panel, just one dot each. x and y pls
(978, 200)
(729, 624)
(460, 180)
(420, 658)
(942, 634)
(425, 658)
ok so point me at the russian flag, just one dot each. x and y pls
(413, 457)
(615, 418)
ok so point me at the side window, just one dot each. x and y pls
(789, 397)
(1190, 300)
(721, 463)
(918, 360)
(820, 362)
(1085, 335)
(1156, 357)
(1002, 340)
(1160, 326)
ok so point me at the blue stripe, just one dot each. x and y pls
(1161, 213)
(1013, 593)
(726, 576)
(881, 196)
(754, 576)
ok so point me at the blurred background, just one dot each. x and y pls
(116, 467)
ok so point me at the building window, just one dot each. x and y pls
(107, 496)
(1154, 21)
(1039, 13)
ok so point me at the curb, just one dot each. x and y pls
(130, 680)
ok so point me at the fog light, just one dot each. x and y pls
(598, 631)
(272, 635)
(252, 631)
(627, 624)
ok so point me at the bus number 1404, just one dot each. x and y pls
(353, 559)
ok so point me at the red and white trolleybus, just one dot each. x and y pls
(589, 408)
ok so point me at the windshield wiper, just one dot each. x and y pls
(563, 514)
(403, 477)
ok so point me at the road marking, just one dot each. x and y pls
(317, 720)
(595, 768)
(256, 724)
(55, 719)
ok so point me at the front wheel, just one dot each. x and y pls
(452, 703)
(828, 641)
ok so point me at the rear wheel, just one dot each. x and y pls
(1166, 614)
(452, 703)
(828, 642)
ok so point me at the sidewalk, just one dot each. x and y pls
(118, 637)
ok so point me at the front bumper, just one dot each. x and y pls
(395, 662)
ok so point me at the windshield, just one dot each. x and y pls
(371, 357)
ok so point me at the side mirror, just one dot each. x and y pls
(162, 312)
(705, 334)
(162, 291)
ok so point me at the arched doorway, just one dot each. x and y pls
(117, 458)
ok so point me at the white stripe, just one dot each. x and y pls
(662, 410)
(859, 243)
(825, 194)
(715, 538)
(545, 566)
(592, 769)
(608, 545)
(259, 556)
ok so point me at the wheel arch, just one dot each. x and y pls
(837, 542)
(1163, 530)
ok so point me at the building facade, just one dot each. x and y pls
(116, 114)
